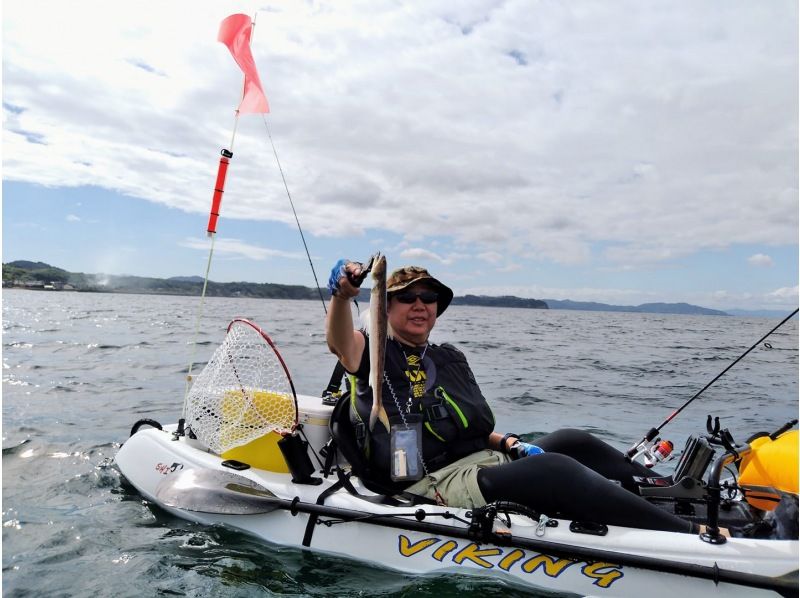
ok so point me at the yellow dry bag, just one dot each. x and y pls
(770, 469)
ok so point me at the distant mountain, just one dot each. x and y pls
(650, 308)
(25, 271)
(502, 301)
(26, 265)
(16, 275)
(18, 272)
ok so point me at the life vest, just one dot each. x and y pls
(770, 469)
(456, 418)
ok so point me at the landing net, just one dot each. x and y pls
(243, 393)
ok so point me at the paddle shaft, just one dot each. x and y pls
(783, 585)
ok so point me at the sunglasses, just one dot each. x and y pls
(409, 297)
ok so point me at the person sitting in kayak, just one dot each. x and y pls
(431, 389)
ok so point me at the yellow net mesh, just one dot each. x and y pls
(243, 392)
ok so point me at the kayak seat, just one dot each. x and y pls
(343, 445)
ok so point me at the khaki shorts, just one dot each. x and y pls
(458, 482)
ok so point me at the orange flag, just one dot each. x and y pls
(235, 33)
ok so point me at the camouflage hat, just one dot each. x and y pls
(408, 275)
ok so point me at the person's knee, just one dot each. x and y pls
(549, 468)
(555, 461)
(565, 439)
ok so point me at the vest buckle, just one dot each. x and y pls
(436, 412)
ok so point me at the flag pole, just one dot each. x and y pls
(231, 28)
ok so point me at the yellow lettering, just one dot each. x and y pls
(409, 549)
(552, 567)
(416, 376)
(511, 558)
(444, 550)
(603, 574)
(475, 554)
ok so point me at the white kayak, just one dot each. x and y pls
(184, 478)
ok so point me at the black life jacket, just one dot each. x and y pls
(457, 420)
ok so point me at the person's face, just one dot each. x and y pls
(412, 322)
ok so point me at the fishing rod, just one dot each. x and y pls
(296, 219)
(642, 445)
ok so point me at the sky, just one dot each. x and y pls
(622, 152)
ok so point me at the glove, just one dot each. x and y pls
(524, 449)
(336, 273)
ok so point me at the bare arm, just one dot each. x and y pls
(496, 439)
(343, 341)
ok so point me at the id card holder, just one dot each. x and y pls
(406, 449)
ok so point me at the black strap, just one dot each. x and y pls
(312, 519)
(335, 384)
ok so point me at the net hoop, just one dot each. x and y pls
(244, 392)
(266, 337)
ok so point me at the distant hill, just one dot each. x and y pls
(18, 272)
(502, 301)
(29, 271)
(14, 272)
(26, 265)
(650, 308)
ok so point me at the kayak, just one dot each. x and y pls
(235, 459)
(253, 489)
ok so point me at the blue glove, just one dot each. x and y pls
(524, 449)
(336, 273)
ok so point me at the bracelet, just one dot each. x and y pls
(503, 448)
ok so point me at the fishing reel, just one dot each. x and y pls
(365, 269)
(653, 450)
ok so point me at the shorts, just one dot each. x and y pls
(457, 483)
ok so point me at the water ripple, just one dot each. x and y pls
(72, 390)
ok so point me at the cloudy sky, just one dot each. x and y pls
(622, 151)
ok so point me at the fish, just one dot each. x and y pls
(378, 333)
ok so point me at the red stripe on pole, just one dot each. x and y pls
(219, 189)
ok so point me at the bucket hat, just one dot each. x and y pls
(408, 275)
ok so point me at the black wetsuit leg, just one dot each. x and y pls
(595, 454)
(559, 486)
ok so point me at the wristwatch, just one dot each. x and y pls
(504, 448)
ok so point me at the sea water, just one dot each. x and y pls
(80, 368)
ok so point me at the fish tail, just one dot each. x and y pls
(373, 417)
(384, 418)
(378, 414)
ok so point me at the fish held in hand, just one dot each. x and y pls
(378, 332)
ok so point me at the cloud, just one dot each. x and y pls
(236, 248)
(490, 256)
(507, 128)
(419, 254)
(73, 218)
(760, 260)
(785, 296)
